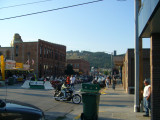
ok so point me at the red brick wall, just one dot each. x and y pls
(84, 66)
(54, 61)
(128, 69)
(27, 50)
(48, 64)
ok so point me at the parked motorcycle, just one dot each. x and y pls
(70, 95)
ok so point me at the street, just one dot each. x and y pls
(114, 105)
(40, 98)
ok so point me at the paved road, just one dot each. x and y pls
(40, 98)
(114, 105)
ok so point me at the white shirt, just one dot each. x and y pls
(72, 80)
(146, 91)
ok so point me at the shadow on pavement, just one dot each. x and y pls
(113, 105)
(101, 118)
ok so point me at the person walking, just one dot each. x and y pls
(146, 97)
(68, 80)
(114, 84)
(107, 82)
(72, 81)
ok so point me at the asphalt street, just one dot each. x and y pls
(114, 105)
(39, 98)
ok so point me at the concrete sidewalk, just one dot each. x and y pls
(114, 105)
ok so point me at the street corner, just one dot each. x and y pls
(103, 91)
(78, 117)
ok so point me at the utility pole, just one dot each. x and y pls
(136, 52)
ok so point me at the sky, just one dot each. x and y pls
(103, 26)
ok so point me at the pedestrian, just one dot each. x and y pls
(0, 76)
(114, 84)
(146, 97)
(68, 80)
(72, 81)
(33, 78)
(107, 82)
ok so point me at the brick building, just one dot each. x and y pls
(128, 69)
(44, 57)
(80, 65)
(7, 52)
(149, 27)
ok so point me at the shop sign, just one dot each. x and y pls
(10, 64)
(36, 83)
(19, 65)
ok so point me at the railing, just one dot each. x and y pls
(145, 12)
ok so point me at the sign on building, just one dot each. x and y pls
(10, 64)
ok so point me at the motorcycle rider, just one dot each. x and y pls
(64, 89)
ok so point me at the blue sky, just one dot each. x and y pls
(102, 26)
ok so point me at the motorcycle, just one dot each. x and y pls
(70, 95)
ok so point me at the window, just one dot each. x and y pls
(41, 51)
(52, 53)
(16, 50)
(47, 53)
(44, 52)
(1, 53)
(56, 56)
(77, 65)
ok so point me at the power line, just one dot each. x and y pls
(24, 4)
(51, 10)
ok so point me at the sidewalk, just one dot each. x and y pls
(114, 105)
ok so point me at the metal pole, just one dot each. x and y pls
(111, 65)
(136, 95)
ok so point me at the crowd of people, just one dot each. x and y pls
(105, 81)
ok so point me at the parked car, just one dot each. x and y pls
(12, 110)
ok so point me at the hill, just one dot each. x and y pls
(96, 59)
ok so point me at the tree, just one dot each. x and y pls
(69, 70)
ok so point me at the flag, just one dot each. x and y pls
(32, 61)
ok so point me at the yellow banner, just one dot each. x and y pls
(19, 65)
(2, 67)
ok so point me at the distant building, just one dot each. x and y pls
(128, 69)
(7, 52)
(80, 65)
(44, 57)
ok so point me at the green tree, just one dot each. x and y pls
(69, 70)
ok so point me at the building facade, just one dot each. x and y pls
(80, 65)
(128, 69)
(149, 27)
(6, 52)
(44, 58)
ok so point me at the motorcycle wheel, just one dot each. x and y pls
(76, 99)
(56, 95)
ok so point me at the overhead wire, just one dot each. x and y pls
(18, 5)
(29, 14)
